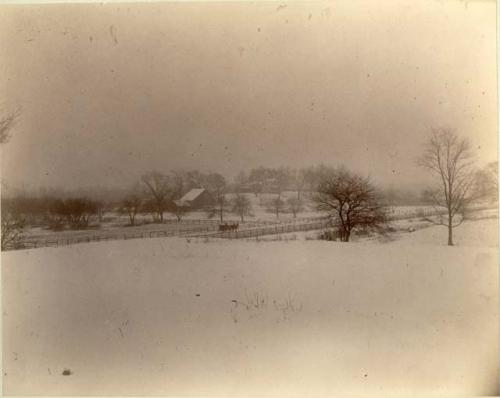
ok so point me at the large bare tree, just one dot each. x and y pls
(351, 201)
(160, 190)
(451, 160)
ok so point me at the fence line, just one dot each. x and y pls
(271, 230)
(33, 244)
(210, 229)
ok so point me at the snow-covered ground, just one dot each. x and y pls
(297, 318)
(470, 233)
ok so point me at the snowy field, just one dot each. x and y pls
(238, 318)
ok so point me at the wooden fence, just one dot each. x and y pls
(209, 228)
(270, 230)
(203, 228)
(36, 243)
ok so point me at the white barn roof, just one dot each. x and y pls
(192, 195)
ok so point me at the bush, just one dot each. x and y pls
(330, 235)
(77, 213)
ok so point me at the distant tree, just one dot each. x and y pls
(282, 179)
(486, 182)
(79, 212)
(310, 178)
(56, 215)
(178, 183)
(450, 159)
(295, 205)
(401, 197)
(351, 201)
(257, 179)
(240, 182)
(159, 191)
(492, 170)
(149, 208)
(101, 208)
(178, 210)
(241, 206)
(276, 205)
(299, 181)
(7, 122)
(313, 176)
(192, 179)
(131, 206)
(216, 185)
(32, 209)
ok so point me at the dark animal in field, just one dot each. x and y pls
(228, 227)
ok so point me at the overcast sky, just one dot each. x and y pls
(109, 92)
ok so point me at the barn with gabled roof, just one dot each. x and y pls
(196, 198)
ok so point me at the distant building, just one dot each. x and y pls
(196, 198)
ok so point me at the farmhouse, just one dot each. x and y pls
(195, 199)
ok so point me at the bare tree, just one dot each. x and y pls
(194, 179)
(299, 181)
(450, 159)
(217, 186)
(149, 207)
(131, 205)
(178, 210)
(281, 179)
(79, 212)
(178, 181)
(295, 205)
(240, 182)
(313, 176)
(56, 217)
(257, 179)
(351, 201)
(241, 206)
(159, 190)
(276, 205)
(6, 124)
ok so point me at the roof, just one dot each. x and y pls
(192, 195)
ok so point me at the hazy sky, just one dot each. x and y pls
(111, 91)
